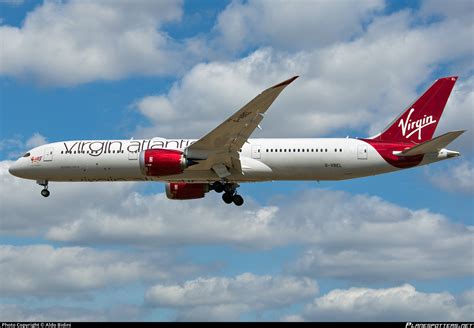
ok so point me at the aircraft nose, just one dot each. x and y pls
(13, 169)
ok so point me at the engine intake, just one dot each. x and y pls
(162, 162)
(184, 190)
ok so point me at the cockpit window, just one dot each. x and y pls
(27, 155)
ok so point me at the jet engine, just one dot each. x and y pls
(162, 162)
(184, 190)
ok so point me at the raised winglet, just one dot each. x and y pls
(286, 82)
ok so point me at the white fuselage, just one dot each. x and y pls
(261, 160)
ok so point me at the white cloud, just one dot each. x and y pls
(36, 140)
(222, 298)
(42, 270)
(16, 312)
(345, 234)
(15, 146)
(283, 24)
(10, 144)
(21, 313)
(24, 212)
(359, 84)
(66, 43)
(459, 9)
(456, 178)
(403, 303)
(459, 115)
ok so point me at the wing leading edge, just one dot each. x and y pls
(218, 150)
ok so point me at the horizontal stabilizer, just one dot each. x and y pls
(432, 146)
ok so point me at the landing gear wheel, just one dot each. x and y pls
(227, 198)
(218, 186)
(238, 200)
(44, 183)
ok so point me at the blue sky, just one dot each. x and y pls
(391, 247)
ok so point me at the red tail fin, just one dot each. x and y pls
(418, 123)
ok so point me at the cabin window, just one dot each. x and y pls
(340, 150)
(326, 150)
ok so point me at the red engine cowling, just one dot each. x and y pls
(162, 162)
(184, 190)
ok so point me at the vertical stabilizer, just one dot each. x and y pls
(418, 123)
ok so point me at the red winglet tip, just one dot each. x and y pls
(286, 82)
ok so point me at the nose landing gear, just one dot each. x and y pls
(230, 192)
(45, 192)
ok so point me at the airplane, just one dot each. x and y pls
(226, 157)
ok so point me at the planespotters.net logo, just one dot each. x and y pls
(439, 325)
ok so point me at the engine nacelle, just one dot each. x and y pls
(184, 190)
(162, 162)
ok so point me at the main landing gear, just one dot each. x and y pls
(45, 191)
(230, 192)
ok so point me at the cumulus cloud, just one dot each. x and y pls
(121, 215)
(346, 238)
(403, 303)
(222, 298)
(14, 147)
(36, 140)
(121, 312)
(456, 178)
(42, 270)
(459, 115)
(358, 85)
(66, 43)
(459, 9)
(11, 146)
(282, 24)
(345, 234)
(27, 214)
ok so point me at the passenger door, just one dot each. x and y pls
(362, 152)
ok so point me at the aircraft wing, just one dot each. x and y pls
(218, 150)
(432, 146)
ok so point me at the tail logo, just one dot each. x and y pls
(412, 127)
